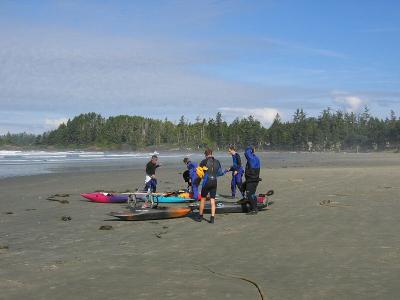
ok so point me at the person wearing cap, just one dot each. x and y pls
(211, 168)
(191, 177)
(150, 180)
(237, 171)
(252, 177)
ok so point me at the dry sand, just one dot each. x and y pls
(333, 233)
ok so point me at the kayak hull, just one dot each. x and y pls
(152, 213)
(162, 198)
(228, 207)
(171, 199)
(100, 197)
(106, 197)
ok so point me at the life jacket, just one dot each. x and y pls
(201, 171)
(184, 195)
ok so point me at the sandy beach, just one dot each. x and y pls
(332, 233)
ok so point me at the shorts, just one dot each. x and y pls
(210, 188)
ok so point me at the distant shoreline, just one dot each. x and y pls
(172, 149)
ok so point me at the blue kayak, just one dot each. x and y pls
(171, 199)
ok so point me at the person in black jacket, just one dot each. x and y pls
(150, 180)
(252, 176)
(212, 169)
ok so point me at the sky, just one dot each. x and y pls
(164, 59)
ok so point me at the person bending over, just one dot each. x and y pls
(212, 169)
(192, 178)
(151, 181)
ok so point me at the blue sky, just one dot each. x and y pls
(194, 58)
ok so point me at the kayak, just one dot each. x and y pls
(229, 207)
(226, 207)
(152, 213)
(171, 199)
(106, 197)
(103, 197)
(157, 213)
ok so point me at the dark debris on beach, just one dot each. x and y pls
(55, 196)
(66, 218)
(106, 227)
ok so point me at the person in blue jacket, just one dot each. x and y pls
(191, 177)
(237, 171)
(252, 176)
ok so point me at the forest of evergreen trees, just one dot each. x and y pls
(330, 131)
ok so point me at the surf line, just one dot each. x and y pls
(260, 292)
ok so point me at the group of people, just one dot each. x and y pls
(207, 173)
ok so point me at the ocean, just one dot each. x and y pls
(26, 163)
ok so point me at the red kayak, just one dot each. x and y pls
(106, 197)
(168, 197)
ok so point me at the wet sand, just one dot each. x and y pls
(332, 233)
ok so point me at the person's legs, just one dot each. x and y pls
(202, 203)
(153, 184)
(233, 185)
(186, 177)
(204, 193)
(212, 202)
(195, 190)
(251, 188)
(213, 194)
(147, 187)
(212, 218)
(243, 189)
(239, 183)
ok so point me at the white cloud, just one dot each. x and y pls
(351, 103)
(354, 103)
(74, 73)
(54, 123)
(265, 115)
(46, 73)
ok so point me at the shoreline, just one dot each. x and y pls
(270, 160)
(154, 148)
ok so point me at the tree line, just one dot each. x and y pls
(330, 131)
